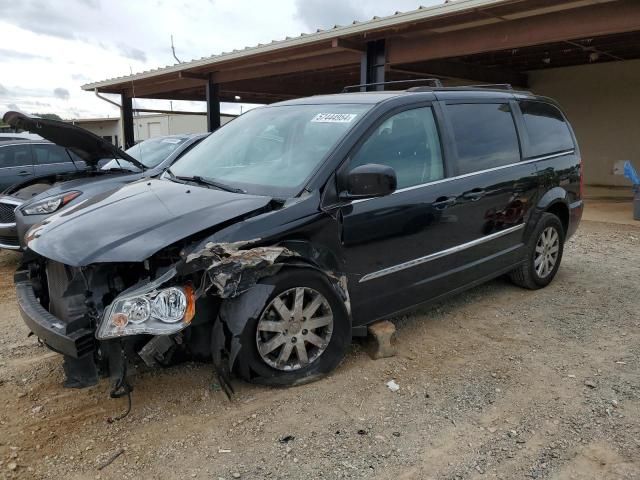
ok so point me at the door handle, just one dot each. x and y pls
(474, 195)
(444, 202)
(24, 173)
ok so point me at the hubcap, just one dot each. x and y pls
(547, 251)
(294, 329)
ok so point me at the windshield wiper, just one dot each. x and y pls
(204, 181)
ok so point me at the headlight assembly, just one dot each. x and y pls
(50, 205)
(156, 312)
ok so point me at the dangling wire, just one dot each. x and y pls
(122, 388)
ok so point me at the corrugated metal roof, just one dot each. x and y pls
(423, 13)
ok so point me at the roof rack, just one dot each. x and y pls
(435, 83)
(495, 86)
(498, 86)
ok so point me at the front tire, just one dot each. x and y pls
(543, 256)
(302, 333)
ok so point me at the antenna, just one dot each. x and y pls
(173, 50)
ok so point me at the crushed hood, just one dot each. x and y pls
(88, 146)
(134, 222)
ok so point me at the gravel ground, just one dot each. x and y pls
(498, 382)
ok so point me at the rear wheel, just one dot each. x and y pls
(544, 254)
(301, 334)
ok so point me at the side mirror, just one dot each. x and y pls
(369, 181)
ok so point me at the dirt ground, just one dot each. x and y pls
(496, 383)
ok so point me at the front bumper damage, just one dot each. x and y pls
(231, 273)
(54, 333)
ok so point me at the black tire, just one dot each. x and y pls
(253, 368)
(526, 275)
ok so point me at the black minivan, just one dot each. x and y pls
(293, 227)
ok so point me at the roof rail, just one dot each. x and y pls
(496, 86)
(435, 83)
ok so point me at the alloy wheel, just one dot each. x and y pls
(294, 329)
(547, 251)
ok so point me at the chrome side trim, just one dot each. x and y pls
(479, 172)
(26, 142)
(9, 247)
(443, 253)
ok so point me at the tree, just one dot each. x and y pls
(48, 116)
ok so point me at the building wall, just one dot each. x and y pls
(147, 126)
(103, 128)
(603, 105)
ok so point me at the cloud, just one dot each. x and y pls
(61, 93)
(327, 13)
(132, 52)
(89, 43)
(80, 77)
(94, 4)
(13, 106)
(15, 55)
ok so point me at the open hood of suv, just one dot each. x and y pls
(88, 146)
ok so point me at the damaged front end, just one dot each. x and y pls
(177, 305)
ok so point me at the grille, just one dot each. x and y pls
(9, 241)
(7, 214)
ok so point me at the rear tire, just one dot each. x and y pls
(543, 254)
(303, 357)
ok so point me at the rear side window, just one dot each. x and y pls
(546, 129)
(485, 136)
(15, 156)
(49, 154)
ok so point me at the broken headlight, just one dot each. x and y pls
(50, 204)
(149, 310)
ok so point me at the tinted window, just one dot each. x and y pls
(15, 156)
(48, 154)
(485, 136)
(408, 142)
(546, 129)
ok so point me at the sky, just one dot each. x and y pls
(49, 49)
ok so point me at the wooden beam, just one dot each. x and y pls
(466, 71)
(281, 68)
(573, 24)
(342, 44)
(148, 88)
(192, 75)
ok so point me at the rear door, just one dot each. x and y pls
(51, 159)
(16, 164)
(493, 189)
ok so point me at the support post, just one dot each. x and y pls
(372, 65)
(126, 117)
(213, 105)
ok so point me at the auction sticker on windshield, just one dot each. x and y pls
(334, 117)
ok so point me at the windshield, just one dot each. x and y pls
(270, 150)
(150, 153)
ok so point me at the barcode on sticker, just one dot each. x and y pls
(334, 117)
